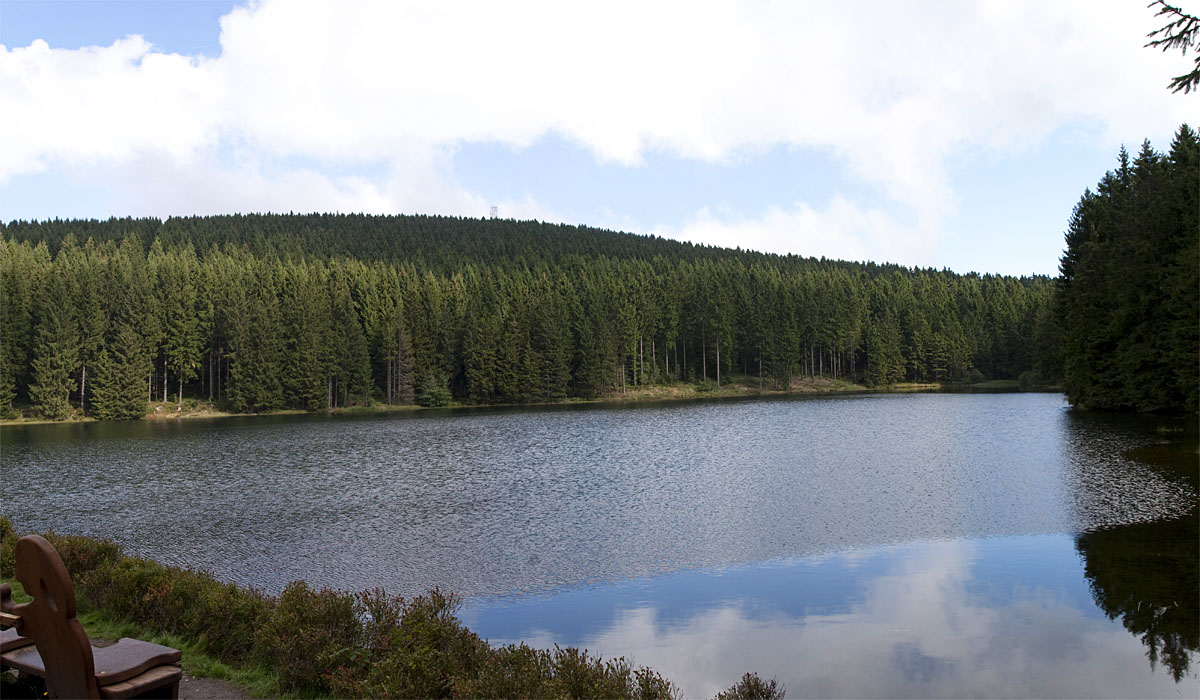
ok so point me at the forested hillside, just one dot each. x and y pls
(1130, 284)
(273, 311)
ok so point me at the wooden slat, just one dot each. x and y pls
(128, 658)
(154, 678)
(26, 660)
(10, 639)
(9, 620)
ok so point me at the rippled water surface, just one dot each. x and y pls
(565, 506)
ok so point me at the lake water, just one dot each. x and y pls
(887, 546)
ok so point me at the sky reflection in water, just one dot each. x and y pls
(853, 546)
(1002, 617)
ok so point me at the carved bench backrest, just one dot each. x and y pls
(50, 620)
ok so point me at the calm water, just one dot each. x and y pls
(995, 545)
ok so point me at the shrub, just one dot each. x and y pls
(1029, 380)
(751, 687)
(8, 541)
(433, 391)
(520, 671)
(415, 648)
(514, 671)
(84, 554)
(311, 634)
(221, 617)
(334, 643)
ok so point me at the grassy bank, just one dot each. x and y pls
(737, 386)
(323, 643)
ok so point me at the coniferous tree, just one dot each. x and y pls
(55, 351)
(120, 376)
(255, 370)
(1128, 293)
(308, 311)
(183, 317)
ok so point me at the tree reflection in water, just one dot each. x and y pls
(1146, 574)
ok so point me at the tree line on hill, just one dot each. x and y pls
(261, 312)
(264, 312)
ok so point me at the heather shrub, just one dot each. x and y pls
(520, 671)
(123, 588)
(514, 671)
(328, 642)
(414, 648)
(222, 617)
(310, 635)
(8, 541)
(83, 554)
(225, 617)
(751, 687)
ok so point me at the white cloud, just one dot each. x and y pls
(842, 230)
(101, 105)
(896, 91)
(920, 630)
(152, 185)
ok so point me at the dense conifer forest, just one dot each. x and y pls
(1129, 297)
(264, 312)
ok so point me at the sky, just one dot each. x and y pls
(929, 134)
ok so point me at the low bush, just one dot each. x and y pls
(325, 642)
(1030, 380)
(433, 391)
(751, 687)
(310, 633)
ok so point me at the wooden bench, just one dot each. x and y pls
(45, 639)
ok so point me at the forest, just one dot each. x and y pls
(1129, 290)
(265, 312)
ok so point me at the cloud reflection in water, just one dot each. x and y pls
(936, 619)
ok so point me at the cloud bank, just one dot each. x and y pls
(306, 92)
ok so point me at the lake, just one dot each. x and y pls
(854, 546)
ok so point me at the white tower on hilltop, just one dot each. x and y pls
(492, 212)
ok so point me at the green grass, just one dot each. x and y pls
(998, 384)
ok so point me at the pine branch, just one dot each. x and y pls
(1181, 32)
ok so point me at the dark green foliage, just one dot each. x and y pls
(55, 351)
(183, 317)
(333, 643)
(20, 267)
(751, 687)
(313, 312)
(411, 649)
(119, 383)
(309, 633)
(8, 540)
(1129, 294)
(1136, 572)
(8, 387)
(432, 391)
(1181, 31)
(256, 345)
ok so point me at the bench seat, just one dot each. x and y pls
(61, 653)
(9, 640)
(128, 668)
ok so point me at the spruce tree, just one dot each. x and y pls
(119, 389)
(55, 351)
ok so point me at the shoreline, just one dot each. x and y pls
(742, 387)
